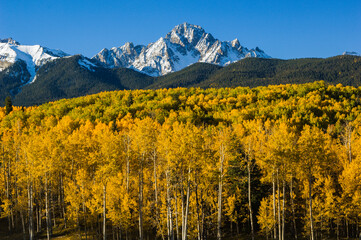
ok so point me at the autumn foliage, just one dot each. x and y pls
(281, 162)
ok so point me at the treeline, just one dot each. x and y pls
(281, 162)
(253, 72)
(65, 78)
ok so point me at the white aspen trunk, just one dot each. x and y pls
(219, 219)
(293, 208)
(176, 215)
(37, 214)
(62, 199)
(347, 233)
(169, 213)
(155, 179)
(141, 236)
(168, 208)
(23, 223)
(279, 208)
(183, 205)
(12, 218)
(349, 148)
(104, 212)
(40, 215)
(51, 209)
(310, 201)
(127, 147)
(283, 210)
(78, 221)
(202, 228)
(184, 233)
(30, 205)
(84, 215)
(249, 196)
(274, 205)
(198, 216)
(171, 230)
(156, 193)
(8, 190)
(47, 209)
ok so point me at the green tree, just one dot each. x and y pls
(8, 105)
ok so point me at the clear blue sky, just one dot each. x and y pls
(284, 29)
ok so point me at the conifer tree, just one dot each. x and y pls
(8, 105)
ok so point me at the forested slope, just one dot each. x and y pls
(253, 72)
(66, 78)
(230, 162)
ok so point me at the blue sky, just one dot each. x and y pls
(283, 29)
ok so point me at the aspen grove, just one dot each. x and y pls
(278, 162)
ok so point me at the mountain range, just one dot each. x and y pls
(186, 57)
(184, 45)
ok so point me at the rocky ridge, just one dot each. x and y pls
(184, 45)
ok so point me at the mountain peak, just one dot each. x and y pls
(184, 26)
(184, 45)
(9, 40)
(235, 43)
(129, 45)
(193, 33)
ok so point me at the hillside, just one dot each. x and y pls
(253, 72)
(77, 76)
(132, 161)
(188, 77)
(66, 78)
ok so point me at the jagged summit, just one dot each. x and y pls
(184, 45)
(235, 43)
(188, 32)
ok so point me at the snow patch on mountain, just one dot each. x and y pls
(33, 55)
(85, 63)
(351, 53)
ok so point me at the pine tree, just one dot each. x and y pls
(8, 105)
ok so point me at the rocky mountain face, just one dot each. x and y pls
(184, 45)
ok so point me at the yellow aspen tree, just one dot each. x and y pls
(143, 144)
(314, 151)
(281, 144)
(247, 134)
(163, 144)
(350, 180)
(225, 151)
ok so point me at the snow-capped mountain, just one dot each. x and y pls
(34, 56)
(184, 45)
(351, 53)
